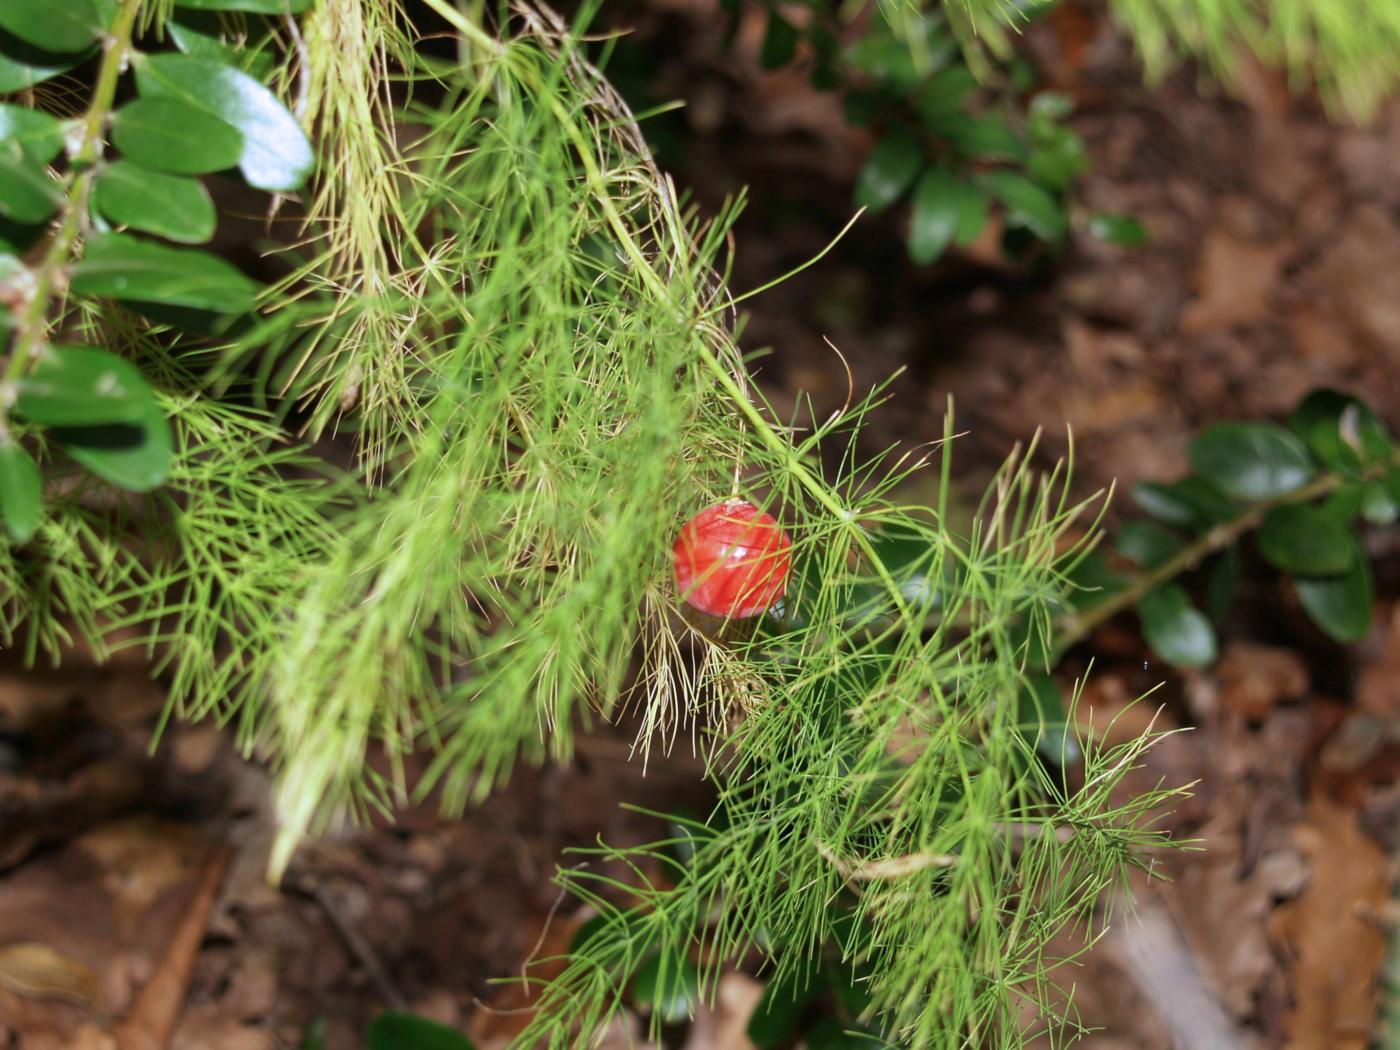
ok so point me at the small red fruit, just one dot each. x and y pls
(732, 560)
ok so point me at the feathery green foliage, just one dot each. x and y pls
(530, 337)
(1349, 51)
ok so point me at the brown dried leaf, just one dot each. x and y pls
(37, 971)
(1329, 937)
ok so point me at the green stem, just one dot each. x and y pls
(33, 326)
(1075, 629)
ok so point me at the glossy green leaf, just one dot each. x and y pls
(1222, 584)
(1058, 159)
(1340, 430)
(122, 267)
(396, 1030)
(21, 491)
(1340, 605)
(1175, 629)
(1251, 461)
(779, 41)
(22, 65)
(1305, 540)
(889, 171)
(945, 93)
(1042, 719)
(1379, 504)
(668, 986)
(1123, 230)
(16, 238)
(1343, 504)
(1027, 204)
(1191, 502)
(171, 206)
(166, 134)
(775, 1019)
(38, 135)
(134, 456)
(27, 194)
(939, 200)
(1146, 543)
(200, 34)
(985, 137)
(259, 7)
(315, 1037)
(1092, 582)
(276, 153)
(55, 25)
(81, 385)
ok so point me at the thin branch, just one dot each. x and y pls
(33, 325)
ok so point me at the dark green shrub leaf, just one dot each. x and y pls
(134, 456)
(1146, 543)
(1058, 159)
(395, 1030)
(22, 65)
(1092, 582)
(1122, 230)
(934, 219)
(200, 34)
(168, 135)
(945, 93)
(66, 25)
(889, 171)
(1177, 631)
(982, 138)
(1340, 605)
(27, 194)
(668, 985)
(1027, 204)
(972, 214)
(1305, 540)
(1048, 108)
(171, 206)
(1041, 714)
(38, 135)
(16, 238)
(276, 153)
(1222, 582)
(1251, 461)
(121, 267)
(315, 1038)
(21, 492)
(1191, 502)
(1343, 504)
(259, 7)
(1342, 432)
(779, 42)
(81, 385)
(775, 1019)
(1379, 505)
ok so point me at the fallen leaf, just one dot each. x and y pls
(1253, 678)
(1235, 280)
(36, 971)
(1329, 936)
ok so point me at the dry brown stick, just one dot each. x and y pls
(359, 947)
(150, 1022)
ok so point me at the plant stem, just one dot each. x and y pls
(33, 327)
(1075, 629)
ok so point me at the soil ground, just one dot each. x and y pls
(1274, 241)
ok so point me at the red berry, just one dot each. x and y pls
(732, 560)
